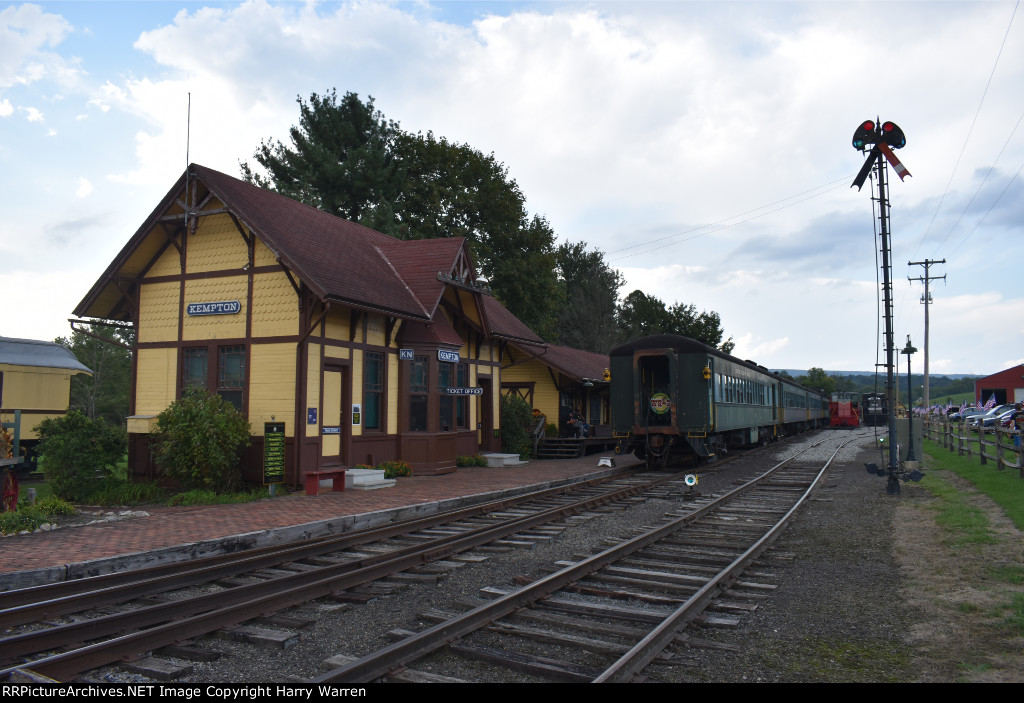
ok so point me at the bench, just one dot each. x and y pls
(313, 479)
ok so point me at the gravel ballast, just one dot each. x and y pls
(840, 610)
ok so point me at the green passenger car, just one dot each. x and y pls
(675, 397)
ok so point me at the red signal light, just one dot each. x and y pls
(868, 126)
(888, 126)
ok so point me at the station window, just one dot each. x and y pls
(231, 375)
(447, 402)
(373, 389)
(418, 387)
(194, 367)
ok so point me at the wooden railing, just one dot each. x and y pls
(965, 440)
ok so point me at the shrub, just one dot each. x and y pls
(119, 492)
(395, 469)
(516, 426)
(29, 517)
(201, 497)
(54, 506)
(475, 460)
(198, 440)
(25, 518)
(551, 429)
(77, 451)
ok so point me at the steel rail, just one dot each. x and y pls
(641, 654)
(197, 616)
(258, 557)
(400, 654)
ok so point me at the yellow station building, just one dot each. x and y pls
(367, 348)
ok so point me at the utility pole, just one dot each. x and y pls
(926, 300)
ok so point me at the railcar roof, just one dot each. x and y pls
(678, 343)
(31, 352)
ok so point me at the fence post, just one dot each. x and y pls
(1000, 464)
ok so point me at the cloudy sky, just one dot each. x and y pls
(705, 147)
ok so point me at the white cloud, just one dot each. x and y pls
(33, 114)
(84, 187)
(24, 32)
(748, 348)
(623, 123)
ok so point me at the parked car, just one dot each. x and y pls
(987, 419)
(1003, 419)
(967, 412)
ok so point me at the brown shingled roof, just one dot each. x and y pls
(574, 363)
(339, 260)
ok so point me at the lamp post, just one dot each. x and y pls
(908, 350)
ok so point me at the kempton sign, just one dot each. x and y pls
(225, 307)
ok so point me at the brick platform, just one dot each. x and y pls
(179, 533)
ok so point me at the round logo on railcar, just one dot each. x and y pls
(660, 403)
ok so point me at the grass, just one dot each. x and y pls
(200, 497)
(1016, 618)
(965, 523)
(1005, 487)
(112, 492)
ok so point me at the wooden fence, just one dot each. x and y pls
(992, 444)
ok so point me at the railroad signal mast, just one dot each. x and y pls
(880, 140)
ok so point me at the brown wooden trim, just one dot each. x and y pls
(354, 316)
(322, 323)
(554, 380)
(390, 324)
(222, 273)
(197, 214)
(284, 339)
(289, 275)
(241, 230)
(33, 411)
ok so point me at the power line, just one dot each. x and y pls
(971, 130)
(840, 181)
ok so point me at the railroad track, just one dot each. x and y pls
(573, 625)
(121, 616)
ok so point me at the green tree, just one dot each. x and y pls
(516, 426)
(704, 327)
(106, 352)
(346, 158)
(586, 319)
(817, 378)
(341, 159)
(640, 314)
(521, 272)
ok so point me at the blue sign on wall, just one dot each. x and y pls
(225, 307)
(406, 354)
(463, 391)
(450, 356)
(310, 416)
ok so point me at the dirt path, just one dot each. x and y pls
(961, 596)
